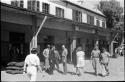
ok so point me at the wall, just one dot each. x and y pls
(55, 24)
(15, 18)
(67, 9)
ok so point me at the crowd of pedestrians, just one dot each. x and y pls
(52, 58)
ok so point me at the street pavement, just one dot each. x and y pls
(116, 68)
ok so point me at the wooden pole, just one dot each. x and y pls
(33, 43)
(41, 26)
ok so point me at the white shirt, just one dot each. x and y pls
(46, 53)
(32, 59)
(80, 55)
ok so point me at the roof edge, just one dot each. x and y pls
(83, 8)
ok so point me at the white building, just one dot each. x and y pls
(67, 23)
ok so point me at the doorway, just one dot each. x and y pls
(16, 42)
(48, 40)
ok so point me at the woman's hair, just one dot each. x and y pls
(79, 48)
(34, 51)
(103, 49)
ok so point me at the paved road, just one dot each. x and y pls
(116, 68)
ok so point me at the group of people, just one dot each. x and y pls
(119, 50)
(102, 57)
(52, 57)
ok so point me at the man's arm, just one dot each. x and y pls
(24, 68)
(108, 56)
(25, 65)
(58, 55)
(91, 55)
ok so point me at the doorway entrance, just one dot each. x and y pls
(16, 50)
(48, 40)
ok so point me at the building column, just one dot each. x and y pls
(97, 37)
(73, 43)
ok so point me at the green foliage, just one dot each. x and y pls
(112, 10)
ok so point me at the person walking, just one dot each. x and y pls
(120, 50)
(51, 60)
(64, 59)
(46, 55)
(95, 59)
(31, 64)
(80, 61)
(104, 60)
(57, 58)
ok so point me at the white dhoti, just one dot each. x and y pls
(103, 70)
(32, 72)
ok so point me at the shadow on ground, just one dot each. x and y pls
(92, 73)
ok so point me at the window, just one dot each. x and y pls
(21, 3)
(90, 19)
(45, 8)
(77, 16)
(38, 6)
(18, 3)
(59, 12)
(33, 5)
(103, 24)
(97, 23)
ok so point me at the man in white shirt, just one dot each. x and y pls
(31, 64)
(64, 59)
(46, 53)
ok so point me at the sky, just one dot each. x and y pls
(93, 2)
(90, 1)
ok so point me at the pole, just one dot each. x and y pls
(33, 43)
(41, 26)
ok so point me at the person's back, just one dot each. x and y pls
(32, 65)
(32, 59)
(105, 57)
(80, 55)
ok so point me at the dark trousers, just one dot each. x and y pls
(95, 62)
(65, 67)
(51, 66)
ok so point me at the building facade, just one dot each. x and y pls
(67, 23)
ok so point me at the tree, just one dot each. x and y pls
(112, 10)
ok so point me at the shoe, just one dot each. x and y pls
(79, 75)
(103, 75)
(96, 74)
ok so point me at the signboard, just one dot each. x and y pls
(77, 28)
(88, 31)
